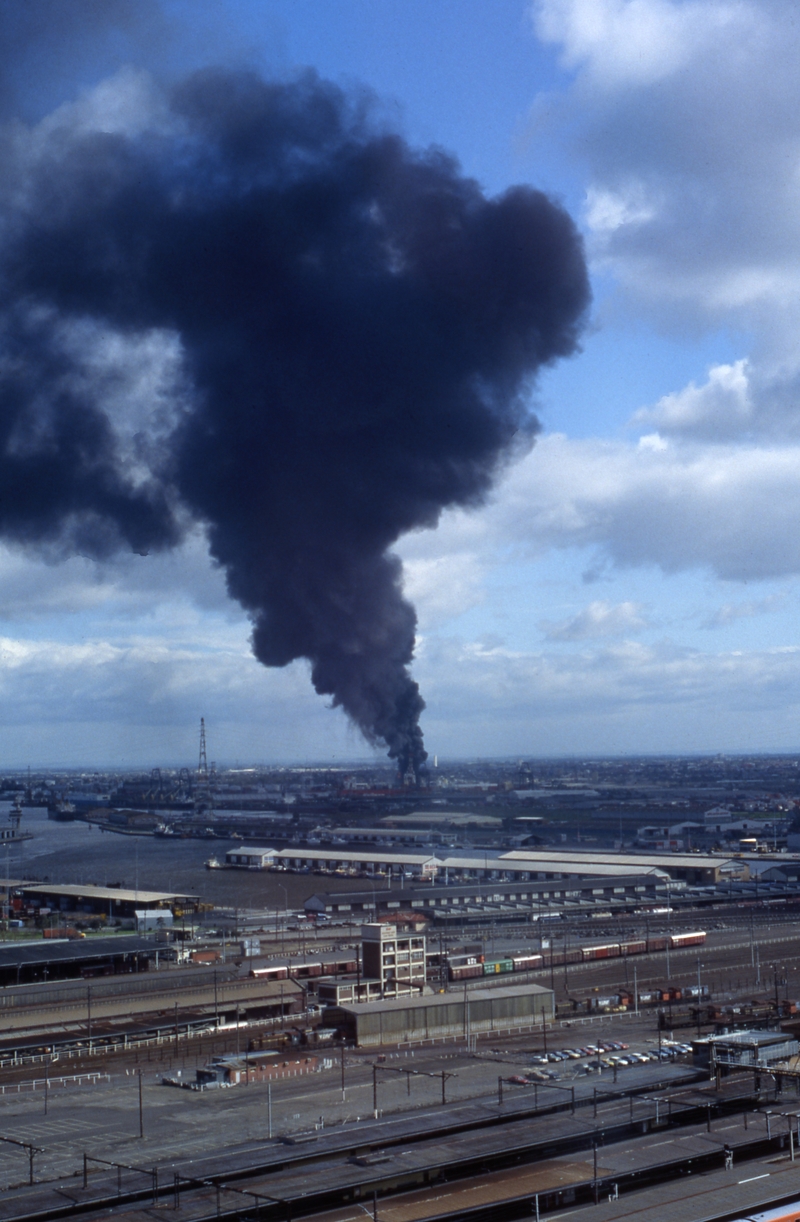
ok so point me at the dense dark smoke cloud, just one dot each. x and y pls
(359, 328)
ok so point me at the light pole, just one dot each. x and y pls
(669, 927)
(285, 914)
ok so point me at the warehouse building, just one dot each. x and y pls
(28, 962)
(518, 865)
(696, 868)
(85, 899)
(443, 1015)
(749, 1049)
(250, 857)
(459, 903)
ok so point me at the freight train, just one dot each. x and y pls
(469, 966)
(304, 969)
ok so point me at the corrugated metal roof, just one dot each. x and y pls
(21, 953)
(445, 999)
(88, 891)
(665, 861)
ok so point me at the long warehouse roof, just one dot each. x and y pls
(442, 999)
(583, 864)
(365, 854)
(46, 951)
(661, 860)
(562, 864)
(89, 891)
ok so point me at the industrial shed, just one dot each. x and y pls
(443, 1015)
(25, 962)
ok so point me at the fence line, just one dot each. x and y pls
(33, 1084)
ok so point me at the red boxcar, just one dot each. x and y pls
(273, 972)
(611, 951)
(465, 971)
(633, 948)
(697, 938)
(527, 963)
(656, 944)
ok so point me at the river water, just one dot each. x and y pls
(78, 852)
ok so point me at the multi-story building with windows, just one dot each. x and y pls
(396, 961)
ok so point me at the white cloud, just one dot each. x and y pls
(139, 702)
(609, 210)
(443, 585)
(127, 103)
(685, 115)
(718, 410)
(728, 510)
(599, 619)
(730, 613)
(637, 42)
(490, 700)
(124, 588)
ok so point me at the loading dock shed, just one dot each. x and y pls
(442, 1015)
(25, 962)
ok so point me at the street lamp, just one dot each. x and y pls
(285, 913)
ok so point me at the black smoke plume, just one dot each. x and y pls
(359, 328)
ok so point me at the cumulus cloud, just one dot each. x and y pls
(719, 409)
(686, 116)
(729, 613)
(661, 697)
(137, 701)
(599, 619)
(728, 510)
(636, 42)
(124, 588)
(442, 586)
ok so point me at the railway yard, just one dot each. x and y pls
(482, 1128)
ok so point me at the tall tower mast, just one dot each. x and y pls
(203, 799)
(202, 766)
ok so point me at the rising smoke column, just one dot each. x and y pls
(359, 327)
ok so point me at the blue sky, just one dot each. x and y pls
(633, 584)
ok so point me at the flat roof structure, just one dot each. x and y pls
(53, 951)
(90, 891)
(440, 1015)
(25, 961)
(455, 901)
(487, 865)
(491, 864)
(690, 867)
(751, 1048)
(421, 863)
(517, 863)
(80, 900)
